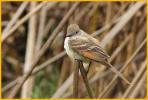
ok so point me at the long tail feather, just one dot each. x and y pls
(117, 72)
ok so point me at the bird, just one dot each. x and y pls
(79, 45)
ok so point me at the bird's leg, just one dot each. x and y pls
(87, 70)
(86, 66)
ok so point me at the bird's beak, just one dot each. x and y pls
(68, 34)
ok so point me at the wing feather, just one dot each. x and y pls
(87, 48)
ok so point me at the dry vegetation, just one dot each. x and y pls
(32, 45)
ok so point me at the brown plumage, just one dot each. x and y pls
(88, 47)
(79, 45)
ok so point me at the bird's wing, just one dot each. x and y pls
(87, 48)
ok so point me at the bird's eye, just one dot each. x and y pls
(76, 32)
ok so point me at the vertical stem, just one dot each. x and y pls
(29, 55)
(76, 79)
(84, 76)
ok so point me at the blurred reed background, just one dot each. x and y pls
(26, 26)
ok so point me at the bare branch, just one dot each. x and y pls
(21, 21)
(16, 17)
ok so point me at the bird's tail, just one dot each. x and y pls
(117, 72)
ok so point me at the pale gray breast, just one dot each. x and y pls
(71, 53)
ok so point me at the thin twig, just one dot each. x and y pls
(27, 87)
(86, 82)
(68, 82)
(36, 70)
(123, 21)
(138, 86)
(107, 26)
(42, 21)
(48, 26)
(108, 64)
(76, 80)
(92, 11)
(135, 80)
(15, 17)
(109, 12)
(124, 66)
(21, 21)
(82, 13)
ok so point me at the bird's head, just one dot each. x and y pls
(72, 30)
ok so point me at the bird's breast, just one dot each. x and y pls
(67, 48)
(72, 54)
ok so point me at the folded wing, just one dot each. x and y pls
(88, 48)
